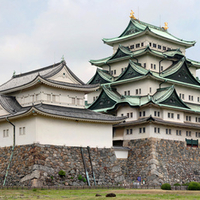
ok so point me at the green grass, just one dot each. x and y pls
(135, 194)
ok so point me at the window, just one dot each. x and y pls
(6, 133)
(131, 114)
(22, 131)
(159, 46)
(198, 134)
(154, 45)
(182, 96)
(127, 131)
(122, 115)
(178, 132)
(115, 71)
(171, 115)
(111, 72)
(128, 92)
(164, 48)
(136, 91)
(138, 45)
(128, 115)
(151, 66)
(168, 131)
(145, 65)
(154, 129)
(125, 93)
(140, 114)
(198, 99)
(132, 46)
(73, 100)
(154, 66)
(140, 91)
(188, 133)
(131, 131)
(144, 129)
(155, 113)
(158, 114)
(122, 69)
(188, 118)
(150, 44)
(158, 130)
(190, 97)
(143, 113)
(161, 68)
(142, 44)
(178, 116)
(150, 90)
(48, 97)
(140, 130)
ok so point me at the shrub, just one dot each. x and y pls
(185, 184)
(177, 184)
(194, 186)
(80, 177)
(61, 173)
(84, 180)
(34, 189)
(166, 186)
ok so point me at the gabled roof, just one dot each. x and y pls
(101, 77)
(136, 28)
(133, 70)
(45, 75)
(180, 72)
(168, 96)
(11, 105)
(109, 99)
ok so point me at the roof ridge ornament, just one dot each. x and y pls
(131, 15)
(166, 26)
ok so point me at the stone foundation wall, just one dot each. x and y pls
(38, 165)
(160, 161)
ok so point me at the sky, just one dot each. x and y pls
(37, 33)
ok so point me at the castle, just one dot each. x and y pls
(142, 117)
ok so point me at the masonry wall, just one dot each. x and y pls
(160, 161)
(38, 165)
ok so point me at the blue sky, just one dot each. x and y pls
(36, 33)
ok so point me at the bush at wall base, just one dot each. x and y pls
(166, 186)
(194, 186)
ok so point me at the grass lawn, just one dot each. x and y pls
(139, 194)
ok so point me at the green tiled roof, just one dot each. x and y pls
(165, 97)
(136, 27)
(101, 77)
(133, 70)
(180, 72)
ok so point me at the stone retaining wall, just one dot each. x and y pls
(155, 160)
(38, 165)
(162, 161)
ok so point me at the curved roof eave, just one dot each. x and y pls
(39, 79)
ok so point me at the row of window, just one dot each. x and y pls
(21, 132)
(154, 45)
(129, 115)
(168, 132)
(190, 97)
(137, 91)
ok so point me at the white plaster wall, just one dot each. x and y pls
(72, 133)
(45, 94)
(30, 132)
(92, 95)
(144, 85)
(136, 134)
(146, 39)
(3, 111)
(127, 109)
(121, 154)
(118, 133)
